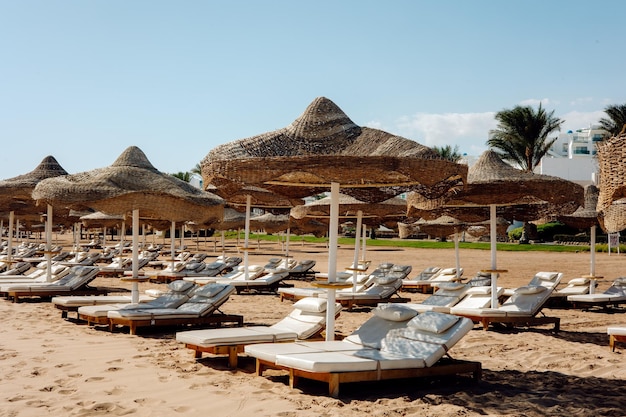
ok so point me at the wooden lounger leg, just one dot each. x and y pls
(197, 354)
(293, 379)
(259, 368)
(232, 356)
(333, 385)
(612, 343)
(485, 323)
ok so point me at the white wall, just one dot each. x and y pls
(578, 170)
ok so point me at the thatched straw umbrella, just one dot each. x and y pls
(247, 197)
(491, 182)
(442, 227)
(132, 184)
(324, 149)
(15, 197)
(586, 217)
(372, 214)
(612, 198)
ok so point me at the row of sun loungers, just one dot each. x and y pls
(424, 281)
(379, 286)
(185, 304)
(307, 320)
(75, 282)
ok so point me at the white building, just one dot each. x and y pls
(572, 156)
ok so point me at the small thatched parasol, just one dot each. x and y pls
(491, 182)
(350, 206)
(98, 219)
(271, 223)
(15, 198)
(443, 227)
(132, 184)
(585, 217)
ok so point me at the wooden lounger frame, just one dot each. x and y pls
(17, 294)
(445, 366)
(232, 350)
(614, 338)
(213, 318)
(521, 321)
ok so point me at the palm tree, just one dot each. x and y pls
(185, 176)
(446, 152)
(197, 170)
(616, 121)
(522, 135)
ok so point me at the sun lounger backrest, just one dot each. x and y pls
(386, 318)
(452, 329)
(546, 279)
(307, 318)
(77, 277)
(617, 288)
(207, 299)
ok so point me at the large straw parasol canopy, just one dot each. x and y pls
(271, 223)
(586, 215)
(324, 146)
(16, 192)
(612, 197)
(491, 181)
(259, 198)
(132, 183)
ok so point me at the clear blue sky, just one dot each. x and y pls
(83, 80)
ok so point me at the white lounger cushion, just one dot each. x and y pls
(90, 300)
(233, 336)
(419, 354)
(617, 330)
(327, 362)
(431, 321)
(373, 331)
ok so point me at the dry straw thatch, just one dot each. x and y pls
(131, 183)
(374, 213)
(491, 181)
(323, 146)
(585, 216)
(612, 198)
(16, 192)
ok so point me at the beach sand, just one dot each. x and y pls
(53, 366)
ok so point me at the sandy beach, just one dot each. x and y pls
(53, 366)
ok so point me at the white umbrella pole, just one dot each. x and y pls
(592, 282)
(364, 234)
(494, 239)
(135, 291)
(223, 247)
(333, 238)
(10, 244)
(104, 237)
(49, 243)
(357, 238)
(246, 236)
(457, 255)
(173, 243)
(287, 248)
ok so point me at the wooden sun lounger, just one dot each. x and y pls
(395, 343)
(300, 324)
(445, 367)
(217, 319)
